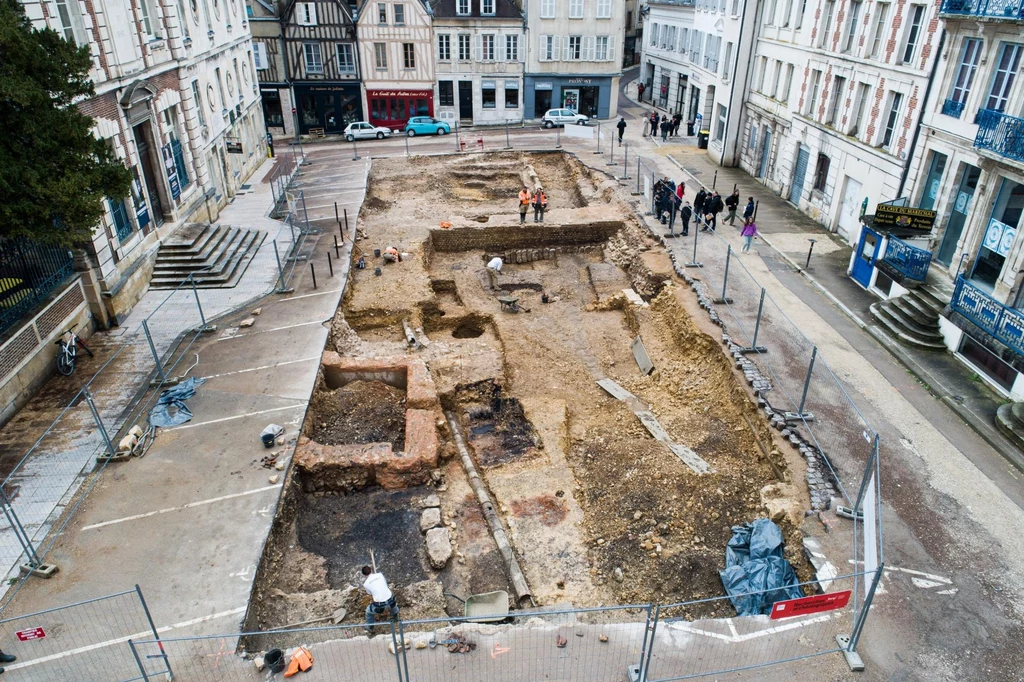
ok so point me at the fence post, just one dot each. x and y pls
(754, 348)
(598, 151)
(611, 161)
(305, 213)
(694, 263)
(312, 271)
(508, 141)
(280, 270)
(654, 179)
(330, 266)
(355, 150)
(156, 635)
(725, 279)
(714, 180)
(650, 645)
(345, 211)
(138, 661)
(395, 639)
(19, 530)
(99, 422)
(638, 174)
(152, 348)
(807, 383)
(202, 318)
(625, 164)
(337, 252)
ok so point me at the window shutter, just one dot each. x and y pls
(555, 45)
(478, 48)
(566, 49)
(588, 48)
(500, 47)
(312, 13)
(543, 48)
(611, 48)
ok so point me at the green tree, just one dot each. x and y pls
(54, 173)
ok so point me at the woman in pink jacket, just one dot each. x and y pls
(748, 233)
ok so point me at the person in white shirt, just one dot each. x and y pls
(493, 268)
(383, 600)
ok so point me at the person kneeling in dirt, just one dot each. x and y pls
(493, 269)
(391, 255)
(383, 600)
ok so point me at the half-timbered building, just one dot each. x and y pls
(268, 55)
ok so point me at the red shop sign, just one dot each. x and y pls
(399, 93)
(805, 605)
(30, 634)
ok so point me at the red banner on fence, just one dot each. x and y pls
(30, 634)
(805, 605)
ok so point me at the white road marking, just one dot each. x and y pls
(732, 627)
(929, 576)
(190, 505)
(145, 635)
(227, 335)
(737, 638)
(262, 367)
(925, 584)
(192, 425)
(318, 293)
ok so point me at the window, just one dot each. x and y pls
(629, 20)
(409, 55)
(306, 14)
(769, 13)
(727, 63)
(486, 48)
(604, 9)
(668, 41)
(1006, 71)
(346, 58)
(382, 13)
(891, 119)
(752, 136)
(821, 172)
(487, 95)
(511, 48)
(800, 15)
(446, 93)
(788, 84)
(838, 89)
(399, 15)
(654, 35)
(720, 123)
(913, 33)
(573, 48)
(853, 12)
(812, 101)
(575, 9)
(684, 41)
(511, 94)
(547, 9)
(487, 7)
(601, 53)
(711, 53)
(197, 99)
(735, 8)
(182, 22)
(444, 47)
(861, 103)
(826, 26)
(68, 19)
(380, 55)
(259, 56)
(881, 14)
(548, 48)
(965, 72)
(464, 47)
(149, 20)
(760, 69)
(314, 60)
(463, 8)
(787, 13)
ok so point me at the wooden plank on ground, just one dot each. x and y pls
(643, 360)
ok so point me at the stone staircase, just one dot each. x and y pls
(1010, 420)
(215, 255)
(913, 319)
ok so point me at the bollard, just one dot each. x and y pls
(355, 150)
(407, 144)
(508, 142)
(808, 263)
(336, 218)
(598, 139)
(330, 266)
(714, 180)
(312, 272)
(337, 254)
(558, 138)
(611, 161)
(725, 280)
(346, 225)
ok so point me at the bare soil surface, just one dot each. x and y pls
(358, 412)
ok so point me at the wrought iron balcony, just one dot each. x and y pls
(995, 9)
(1002, 322)
(1000, 133)
(952, 108)
(910, 260)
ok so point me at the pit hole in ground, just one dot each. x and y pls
(470, 329)
(360, 411)
(496, 424)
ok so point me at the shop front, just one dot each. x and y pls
(327, 107)
(999, 235)
(393, 108)
(585, 95)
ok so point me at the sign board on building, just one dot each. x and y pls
(887, 215)
(579, 81)
(172, 171)
(542, 85)
(233, 146)
(400, 93)
(30, 634)
(807, 605)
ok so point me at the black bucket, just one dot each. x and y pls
(268, 442)
(274, 660)
(376, 253)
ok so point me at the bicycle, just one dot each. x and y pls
(68, 353)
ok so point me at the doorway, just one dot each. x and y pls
(466, 101)
(142, 133)
(589, 97)
(932, 184)
(1000, 234)
(766, 152)
(849, 211)
(541, 102)
(694, 106)
(571, 99)
(796, 190)
(681, 94)
(649, 81)
(867, 252)
(958, 216)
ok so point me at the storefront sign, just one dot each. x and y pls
(400, 93)
(511, 85)
(887, 215)
(542, 85)
(171, 170)
(233, 146)
(999, 237)
(487, 85)
(579, 81)
(695, 77)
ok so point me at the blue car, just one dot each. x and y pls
(426, 125)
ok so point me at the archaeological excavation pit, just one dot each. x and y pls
(595, 510)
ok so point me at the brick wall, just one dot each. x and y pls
(502, 238)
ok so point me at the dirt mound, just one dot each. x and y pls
(358, 412)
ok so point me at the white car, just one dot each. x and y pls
(363, 130)
(561, 117)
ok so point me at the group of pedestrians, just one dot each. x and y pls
(665, 125)
(709, 205)
(669, 201)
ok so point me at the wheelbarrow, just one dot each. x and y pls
(489, 607)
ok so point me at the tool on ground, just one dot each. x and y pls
(335, 618)
(302, 661)
(270, 434)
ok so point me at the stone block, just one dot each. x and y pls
(338, 467)
(430, 518)
(413, 466)
(439, 547)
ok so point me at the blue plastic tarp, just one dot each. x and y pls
(170, 408)
(754, 563)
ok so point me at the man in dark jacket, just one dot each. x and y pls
(732, 202)
(748, 212)
(713, 207)
(621, 125)
(684, 214)
(666, 126)
(677, 120)
(698, 205)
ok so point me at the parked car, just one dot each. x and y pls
(363, 130)
(561, 117)
(426, 125)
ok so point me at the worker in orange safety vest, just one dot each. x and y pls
(524, 204)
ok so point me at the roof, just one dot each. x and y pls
(503, 9)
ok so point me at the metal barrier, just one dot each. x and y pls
(907, 259)
(82, 641)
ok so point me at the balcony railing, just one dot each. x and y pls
(1001, 134)
(1003, 323)
(952, 108)
(996, 9)
(910, 260)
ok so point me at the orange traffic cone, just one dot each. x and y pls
(301, 660)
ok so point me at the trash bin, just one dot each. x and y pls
(702, 139)
(689, 128)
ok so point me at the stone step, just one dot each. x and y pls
(913, 308)
(202, 249)
(223, 244)
(909, 322)
(895, 329)
(1018, 412)
(190, 236)
(230, 262)
(933, 298)
(1008, 421)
